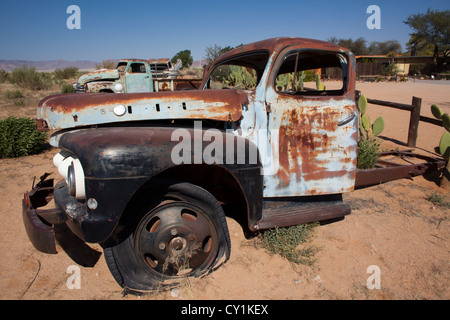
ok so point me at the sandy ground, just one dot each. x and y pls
(394, 235)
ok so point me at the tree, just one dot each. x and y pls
(215, 51)
(185, 56)
(358, 46)
(106, 64)
(432, 28)
(382, 48)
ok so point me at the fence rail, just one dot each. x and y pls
(415, 117)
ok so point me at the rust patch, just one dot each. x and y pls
(222, 105)
(300, 145)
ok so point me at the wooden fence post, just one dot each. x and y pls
(414, 122)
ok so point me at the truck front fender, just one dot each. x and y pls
(118, 161)
(101, 86)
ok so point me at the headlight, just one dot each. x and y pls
(70, 168)
(118, 87)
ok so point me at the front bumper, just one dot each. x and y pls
(39, 222)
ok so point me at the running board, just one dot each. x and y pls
(289, 212)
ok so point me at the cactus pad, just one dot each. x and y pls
(366, 122)
(446, 121)
(378, 126)
(444, 145)
(436, 111)
(362, 104)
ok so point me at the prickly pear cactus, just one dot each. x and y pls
(444, 145)
(319, 84)
(365, 126)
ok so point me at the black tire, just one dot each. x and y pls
(179, 230)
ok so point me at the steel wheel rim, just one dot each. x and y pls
(175, 239)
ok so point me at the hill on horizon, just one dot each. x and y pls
(52, 65)
(47, 65)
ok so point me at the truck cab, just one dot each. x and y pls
(130, 75)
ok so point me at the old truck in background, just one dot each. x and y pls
(137, 75)
(152, 176)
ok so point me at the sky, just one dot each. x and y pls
(37, 30)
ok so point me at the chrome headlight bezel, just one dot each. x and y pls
(70, 168)
(71, 180)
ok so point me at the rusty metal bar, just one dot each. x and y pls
(295, 72)
(381, 174)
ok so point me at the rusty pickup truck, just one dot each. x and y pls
(152, 176)
(137, 75)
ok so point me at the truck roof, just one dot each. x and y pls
(277, 44)
(134, 60)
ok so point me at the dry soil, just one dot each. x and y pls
(393, 232)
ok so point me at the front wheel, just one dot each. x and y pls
(180, 230)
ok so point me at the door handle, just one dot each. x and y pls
(344, 122)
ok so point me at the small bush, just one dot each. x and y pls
(106, 64)
(368, 153)
(66, 73)
(286, 242)
(67, 88)
(438, 200)
(4, 75)
(19, 137)
(29, 78)
(16, 94)
(19, 102)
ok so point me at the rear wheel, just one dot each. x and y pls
(181, 231)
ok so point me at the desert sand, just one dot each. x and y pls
(393, 227)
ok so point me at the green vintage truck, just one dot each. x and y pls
(137, 75)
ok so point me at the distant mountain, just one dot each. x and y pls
(50, 65)
(199, 63)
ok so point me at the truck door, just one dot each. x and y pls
(138, 78)
(317, 123)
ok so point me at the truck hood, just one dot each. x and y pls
(99, 75)
(77, 110)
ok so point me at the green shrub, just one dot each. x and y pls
(106, 64)
(29, 78)
(66, 73)
(4, 75)
(438, 200)
(67, 88)
(16, 94)
(19, 102)
(19, 137)
(286, 242)
(368, 153)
